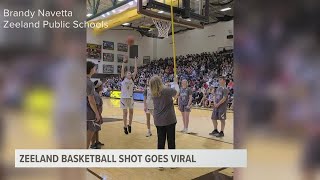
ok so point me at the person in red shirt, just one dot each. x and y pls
(230, 84)
(205, 85)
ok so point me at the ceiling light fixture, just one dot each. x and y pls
(126, 24)
(160, 12)
(88, 15)
(225, 9)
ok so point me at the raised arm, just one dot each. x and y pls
(176, 87)
(135, 68)
(122, 70)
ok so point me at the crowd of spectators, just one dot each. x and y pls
(201, 71)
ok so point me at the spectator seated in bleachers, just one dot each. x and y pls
(201, 71)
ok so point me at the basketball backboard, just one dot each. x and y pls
(197, 7)
(189, 13)
(142, 14)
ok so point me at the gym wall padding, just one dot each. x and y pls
(137, 95)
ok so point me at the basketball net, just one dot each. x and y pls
(163, 27)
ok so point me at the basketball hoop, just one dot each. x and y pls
(162, 26)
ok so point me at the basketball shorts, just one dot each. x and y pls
(150, 111)
(126, 103)
(219, 114)
(93, 126)
(183, 108)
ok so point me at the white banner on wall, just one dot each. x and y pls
(129, 158)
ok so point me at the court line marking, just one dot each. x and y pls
(195, 135)
(216, 171)
(192, 134)
(95, 174)
(199, 108)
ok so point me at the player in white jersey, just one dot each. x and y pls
(126, 101)
(148, 106)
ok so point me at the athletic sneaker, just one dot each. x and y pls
(183, 130)
(221, 134)
(94, 146)
(129, 129)
(99, 143)
(148, 134)
(214, 132)
(125, 130)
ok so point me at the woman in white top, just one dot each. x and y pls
(126, 101)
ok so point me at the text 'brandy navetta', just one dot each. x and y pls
(106, 158)
(36, 13)
(44, 19)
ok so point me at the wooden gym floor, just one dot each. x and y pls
(20, 128)
(24, 131)
(200, 120)
(200, 125)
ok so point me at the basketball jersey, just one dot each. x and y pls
(184, 96)
(219, 94)
(127, 88)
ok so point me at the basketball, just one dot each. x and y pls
(130, 40)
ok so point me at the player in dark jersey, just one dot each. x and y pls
(220, 108)
(184, 104)
(95, 143)
(93, 115)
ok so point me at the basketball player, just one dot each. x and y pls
(184, 104)
(126, 101)
(95, 143)
(220, 107)
(148, 107)
(93, 115)
(164, 115)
